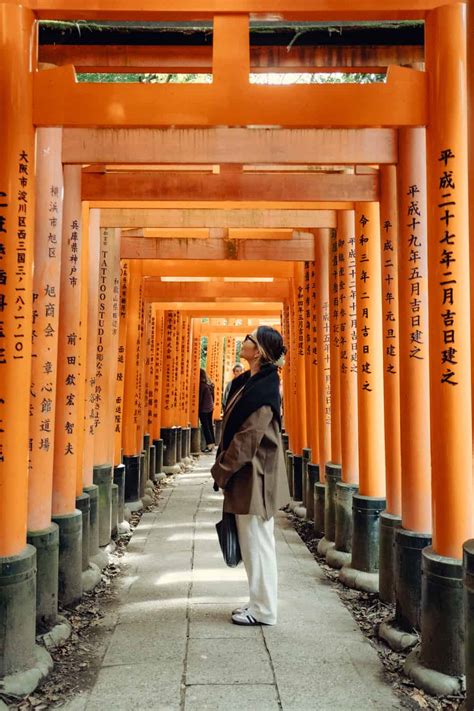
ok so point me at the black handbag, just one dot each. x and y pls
(229, 539)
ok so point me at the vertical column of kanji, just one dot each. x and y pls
(308, 501)
(449, 343)
(390, 519)
(300, 381)
(17, 170)
(145, 379)
(321, 248)
(181, 384)
(187, 399)
(369, 503)
(347, 487)
(219, 387)
(469, 545)
(313, 432)
(287, 380)
(150, 383)
(333, 468)
(157, 390)
(121, 282)
(93, 236)
(43, 534)
(131, 455)
(65, 514)
(415, 532)
(168, 431)
(194, 409)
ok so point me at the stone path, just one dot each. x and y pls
(173, 647)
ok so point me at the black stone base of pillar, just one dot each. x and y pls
(218, 431)
(18, 606)
(70, 557)
(438, 667)
(388, 525)
(103, 479)
(311, 479)
(306, 460)
(196, 441)
(297, 478)
(362, 573)
(115, 501)
(179, 441)
(92, 492)
(285, 441)
(132, 481)
(158, 443)
(169, 436)
(146, 447)
(400, 633)
(46, 543)
(151, 462)
(319, 506)
(341, 554)
(333, 476)
(184, 453)
(119, 479)
(468, 595)
(143, 473)
(84, 506)
(289, 471)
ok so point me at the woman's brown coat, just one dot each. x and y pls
(252, 469)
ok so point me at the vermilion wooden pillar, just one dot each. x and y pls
(17, 191)
(391, 518)
(415, 533)
(449, 345)
(67, 423)
(194, 388)
(370, 501)
(157, 390)
(324, 351)
(335, 349)
(347, 314)
(119, 386)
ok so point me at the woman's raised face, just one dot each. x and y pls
(249, 349)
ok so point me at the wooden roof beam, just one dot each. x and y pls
(196, 9)
(151, 185)
(217, 268)
(300, 248)
(310, 146)
(289, 219)
(229, 101)
(156, 290)
(196, 59)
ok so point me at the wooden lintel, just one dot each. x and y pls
(290, 219)
(310, 146)
(196, 9)
(217, 268)
(198, 59)
(156, 290)
(401, 101)
(300, 248)
(152, 185)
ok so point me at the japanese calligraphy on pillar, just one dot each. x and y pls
(415, 255)
(168, 356)
(344, 306)
(448, 283)
(137, 410)
(365, 305)
(45, 325)
(390, 297)
(122, 315)
(151, 370)
(159, 350)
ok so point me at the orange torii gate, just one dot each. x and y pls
(378, 121)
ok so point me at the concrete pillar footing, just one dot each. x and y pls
(134, 505)
(297, 477)
(433, 682)
(123, 528)
(388, 526)
(311, 479)
(103, 477)
(70, 557)
(324, 546)
(91, 577)
(359, 580)
(101, 560)
(46, 543)
(300, 511)
(172, 469)
(83, 505)
(319, 504)
(24, 682)
(93, 492)
(397, 639)
(337, 559)
(333, 476)
(57, 635)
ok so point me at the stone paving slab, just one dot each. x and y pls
(173, 646)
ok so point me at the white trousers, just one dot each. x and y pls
(257, 545)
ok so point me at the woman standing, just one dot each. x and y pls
(250, 468)
(206, 408)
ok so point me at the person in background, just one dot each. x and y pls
(237, 370)
(250, 468)
(206, 408)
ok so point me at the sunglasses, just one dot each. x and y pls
(251, 338)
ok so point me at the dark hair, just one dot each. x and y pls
(271, 343)
(203, 376)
